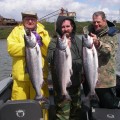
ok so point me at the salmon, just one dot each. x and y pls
(33, 59)
(63, 66)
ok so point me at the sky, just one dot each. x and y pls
(83, 8)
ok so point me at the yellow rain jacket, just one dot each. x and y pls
(16, 49)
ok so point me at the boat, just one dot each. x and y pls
(32, 110)
(19, 109)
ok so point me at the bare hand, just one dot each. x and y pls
(95, 39)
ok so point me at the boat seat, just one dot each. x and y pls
(21, 110)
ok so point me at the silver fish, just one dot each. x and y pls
(90, 63)
(34, 63)
(63, 66)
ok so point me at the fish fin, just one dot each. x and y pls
(69, 83)
(44, 102)
(85, 103)
(66, 54)
(71, 71)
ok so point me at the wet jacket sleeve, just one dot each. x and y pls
(15, 43)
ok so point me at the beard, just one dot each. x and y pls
(67, 34)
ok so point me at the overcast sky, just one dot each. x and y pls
(83, 8)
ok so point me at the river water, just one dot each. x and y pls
(6, 61)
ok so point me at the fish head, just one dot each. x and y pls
(62, 42)
(30, 39)
(87, 41)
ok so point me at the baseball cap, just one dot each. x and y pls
(29, 13)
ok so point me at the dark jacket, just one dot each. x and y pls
(76, 51)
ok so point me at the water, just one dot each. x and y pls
(5, 60)
(118, 57)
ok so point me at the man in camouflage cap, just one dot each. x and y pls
(104, 36)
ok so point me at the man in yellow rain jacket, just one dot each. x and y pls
(22, 87)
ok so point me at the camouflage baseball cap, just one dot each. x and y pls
(29, 13)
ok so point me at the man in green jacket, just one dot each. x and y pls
(67, 110)
(104, 36)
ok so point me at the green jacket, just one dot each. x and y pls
(106, 54)
(76, 52)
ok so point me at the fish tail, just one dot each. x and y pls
(67, 97)
(38, 97)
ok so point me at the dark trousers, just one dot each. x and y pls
(118, 86)
(107, 97)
